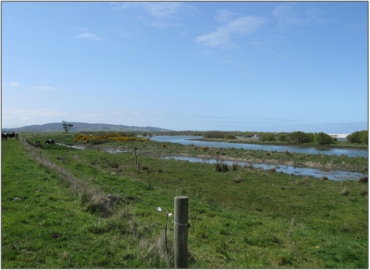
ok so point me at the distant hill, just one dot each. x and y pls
(78, 127)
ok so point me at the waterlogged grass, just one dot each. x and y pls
(247, 218)
(337, 144)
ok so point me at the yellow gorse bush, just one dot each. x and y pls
(112, 136)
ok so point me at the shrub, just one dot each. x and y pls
(218, 167)
(344, 192)
(323, 138)
(237, 180)
(282, 137)
(363, 180)
(214, 134)
(363, 192)
(99, 206)
(221, 167)
(230, 137)
(358, 137)
(95, 141)
(301, 137)
(267, 137)
(235, 165)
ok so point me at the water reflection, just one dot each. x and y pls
(79, 147)
(287, 169)
(192, 140)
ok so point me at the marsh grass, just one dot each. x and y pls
(244, 225)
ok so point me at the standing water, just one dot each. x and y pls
(192, 140)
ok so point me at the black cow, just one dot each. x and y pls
(50, 141)
(11, 134)
(4, 135)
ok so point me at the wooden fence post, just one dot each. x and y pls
(181, 232)
(138, 167)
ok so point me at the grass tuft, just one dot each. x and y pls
(344, 192)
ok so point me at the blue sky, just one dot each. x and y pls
(245, 66)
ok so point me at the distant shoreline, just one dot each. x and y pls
(339, 136)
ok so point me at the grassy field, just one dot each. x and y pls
(55, 214)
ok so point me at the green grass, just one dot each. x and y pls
(267, 220)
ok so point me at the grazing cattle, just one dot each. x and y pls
(9, 135)
(50, 141)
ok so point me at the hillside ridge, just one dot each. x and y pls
(81, 126)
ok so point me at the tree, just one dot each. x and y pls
(358, 137)
(299, 137)
(282, 137)
(66, 126)
(266, 137)
(323, 138)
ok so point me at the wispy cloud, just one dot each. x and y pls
(287, 14)
(223, 35)
(163, 9)
(157, 14)
(159, 10)
(45, 88)
(223, 15)
(86, 34)
(14, 84)
(277, 119)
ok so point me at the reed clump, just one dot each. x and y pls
(344, 192)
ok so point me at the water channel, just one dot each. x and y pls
(317, 173)
(279, 148)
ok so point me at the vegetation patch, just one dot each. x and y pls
(80, 212)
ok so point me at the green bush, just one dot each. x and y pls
(323, 138)
(214, 134)
(230, 137)
(267, 137)
(282, 137)
(358, 137)
(301, 137)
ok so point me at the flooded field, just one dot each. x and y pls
(317, 173)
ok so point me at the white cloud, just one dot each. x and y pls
(159, 10)
(156, 14)
(287, 14)
(223, 15)
(162, 10)
(14, 84)
(223, 35)
(87, 35)
(44, 88)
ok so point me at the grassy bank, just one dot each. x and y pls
(243, 218)
(337, 144)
